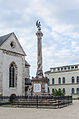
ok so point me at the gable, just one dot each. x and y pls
(4, 38)
(10, 43)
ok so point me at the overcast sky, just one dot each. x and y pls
(60, 26)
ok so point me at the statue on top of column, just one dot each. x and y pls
(38, 25)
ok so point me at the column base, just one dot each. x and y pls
(40, 86)
(39, 74)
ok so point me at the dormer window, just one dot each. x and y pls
(12, 44)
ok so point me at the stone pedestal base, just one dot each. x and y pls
(40, 86)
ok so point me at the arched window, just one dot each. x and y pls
(77, 79)
(63, 80)
(52, 80)
(12, 75)
(53, 90)
(48, 82)
(73, 79)
(73, 90)
(77, 90)
(64, 90)
(59, 80)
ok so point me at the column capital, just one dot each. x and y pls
(39, 34)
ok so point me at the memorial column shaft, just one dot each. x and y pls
(39, 44)
(39, 64)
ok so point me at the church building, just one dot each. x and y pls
(13, 66)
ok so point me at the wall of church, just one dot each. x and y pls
(1, 83)
(1, 72)
(8, 58)
(23, 76)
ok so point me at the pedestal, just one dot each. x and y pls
(40, 86)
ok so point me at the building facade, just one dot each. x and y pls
(13, 69)
(65, 78)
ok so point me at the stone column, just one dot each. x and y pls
(39, 83)
(39, 57)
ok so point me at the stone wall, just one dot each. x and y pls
(23, 76)
(8, 55)
(8, 58)
(0, 83)
(1, 71)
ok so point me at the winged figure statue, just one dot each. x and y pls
(38, 24)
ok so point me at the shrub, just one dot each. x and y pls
(57, 92)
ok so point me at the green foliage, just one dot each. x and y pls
(56, 92)
(75, 98)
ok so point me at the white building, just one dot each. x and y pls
(65, 78)
(13, 69)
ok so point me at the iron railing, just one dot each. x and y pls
(38, 101)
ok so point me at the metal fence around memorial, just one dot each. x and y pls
(37, 101)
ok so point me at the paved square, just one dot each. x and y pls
(70, 112)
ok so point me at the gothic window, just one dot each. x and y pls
(12, 75)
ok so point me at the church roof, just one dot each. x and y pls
(26, 63)
(4, 38)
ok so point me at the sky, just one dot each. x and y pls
(60, 27)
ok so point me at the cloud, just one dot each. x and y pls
(60, 26)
